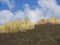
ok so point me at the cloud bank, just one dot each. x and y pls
(5, 16)
(50, 6)
(45, 9)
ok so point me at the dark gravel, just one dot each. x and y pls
(47, 34)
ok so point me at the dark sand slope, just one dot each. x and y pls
(41, 35)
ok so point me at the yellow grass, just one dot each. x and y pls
(16, 26)
(52, 20)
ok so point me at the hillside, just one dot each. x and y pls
(45, 34)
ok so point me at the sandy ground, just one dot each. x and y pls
(41, 35)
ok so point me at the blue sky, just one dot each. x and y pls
(58, 2)
(32, 9)
(19, 4)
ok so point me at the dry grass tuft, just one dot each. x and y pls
(15, 26)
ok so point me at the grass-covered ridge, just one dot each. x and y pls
(25, 24)
(15, 26)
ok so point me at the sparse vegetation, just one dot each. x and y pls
(16, 26)
(52, 20)
(24, 25)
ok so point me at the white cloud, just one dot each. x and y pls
(48, 9)
(19, 15)
(51, 6)
(34, 15)
(5, 16)
(9, 3)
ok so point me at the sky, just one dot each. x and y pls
(33, 10)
